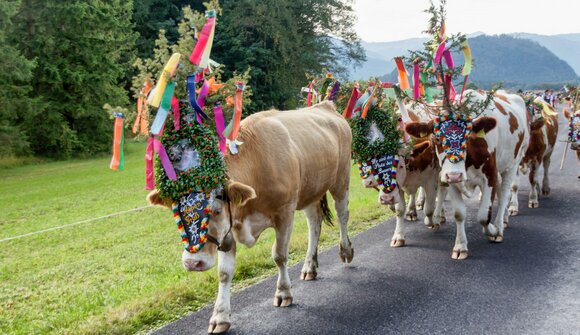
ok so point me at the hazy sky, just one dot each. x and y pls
(390, 20)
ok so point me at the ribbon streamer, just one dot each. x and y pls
(149, 170)
(203, 92)
(439, 53)
(468, 60)
(176, 113)
(463, 88)
(168, 71)
(334, 91)
(369, 102)
(191, 80)
(200, 53)
(448, 59)
(416, 82)
(231, 132)
(141, 121)
(310, 90)
(220, 126)
(354, 96)
(118, 161)
(165, 162)
(450, 88)
(163, 111)
(403, 78)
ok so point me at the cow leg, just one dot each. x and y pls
(534, 186)
(430, 198)
(514, 203)
(460, 248)
(220, 319)
(484, 213)
(280, 249)
(420, 202)
(398, 239)
(439, 213)
(314, 218)
(345, 249)
(503, 193)
(546, 182)
(578, 157)
(411, 209)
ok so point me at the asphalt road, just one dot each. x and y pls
(529, 284)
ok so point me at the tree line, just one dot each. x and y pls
(62, 61)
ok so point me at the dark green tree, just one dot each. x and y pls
(82, 49)
(14, 86)
(281, 41)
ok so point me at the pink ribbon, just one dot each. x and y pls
(149, 171)
(199, 48)
(165, 162)
(463, 89)
(203, 92)
(416, 82)
(176, 113)
(439, 53)
(406, 137)
(220, 126)
(448, 59)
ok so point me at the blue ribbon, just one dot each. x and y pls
(192, 98)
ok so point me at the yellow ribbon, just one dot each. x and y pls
(168, 71)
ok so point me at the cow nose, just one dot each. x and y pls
(454, 177)
(193, 265)
(386, 199)
(368, 183)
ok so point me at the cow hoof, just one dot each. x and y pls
(411, 217)
(533, 204)
(308, 276)
(346, 254)
(218, 328)
(546, 191)
(513, 212)
(419, 206)
(459, 255)
(434, 226)
(282, 302)
(505, 225)
(397, 243)
(496, 239)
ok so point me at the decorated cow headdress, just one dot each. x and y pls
(189, 167)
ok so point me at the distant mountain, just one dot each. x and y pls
(514, 61)
(565, 46)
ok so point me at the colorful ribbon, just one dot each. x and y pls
(450, 88)
(163, 110)
(354, 96)
(468, 60)
(403, 78)
(203, 92)
(165, 162)
(168, 71)
(369, 102)
(149, 170)
(191, 80)
(118, 161)
(141, 121)
(416, 82)
(231, 132)
(200, 54)
(310, 90)
(176, 113)
(448, 59)
(334, 91)
(220, 125)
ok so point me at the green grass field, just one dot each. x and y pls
(122, 274)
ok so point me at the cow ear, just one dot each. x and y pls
(538, 124)
(485, 124)
(240, 193)
(567, 114)
(419, 129)
(155, 199)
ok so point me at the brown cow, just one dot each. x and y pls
(574, 127)
(287, 162)
(543, 133)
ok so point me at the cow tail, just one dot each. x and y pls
(326, 213)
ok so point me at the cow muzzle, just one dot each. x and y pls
(200, 261)
(454, 177)
(387, 199)
(575, 146)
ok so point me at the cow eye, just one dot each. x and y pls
(217, 211)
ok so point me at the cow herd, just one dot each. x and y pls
(290, 160)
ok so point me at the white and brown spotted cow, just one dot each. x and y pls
(536, 161)
(574, 131)
(494, 149)
(287, 162)
(419, 170)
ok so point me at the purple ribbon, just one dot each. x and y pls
(334, 91)
(416, 82)
(203, 92)
(165, 162)
(220, 125)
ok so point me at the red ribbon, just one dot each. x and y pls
(416, 82)
(310, 90)
(176, 113)
(450, 87)
(199, 48)
(351, 102)
(149, 171)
